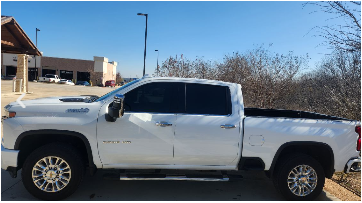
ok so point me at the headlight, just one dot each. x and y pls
(8, 113)
(7, 107)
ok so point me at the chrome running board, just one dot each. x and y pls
(184, 178)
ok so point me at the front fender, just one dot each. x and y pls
(91, 151)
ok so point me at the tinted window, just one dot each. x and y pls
(152, 98)
(49, 76)
(207, 99)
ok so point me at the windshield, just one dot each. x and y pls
(116, 90)
(49, 76)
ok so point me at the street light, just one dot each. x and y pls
(36, 45)
(158, 53)
(144, 58)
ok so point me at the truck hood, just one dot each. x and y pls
(56, 100)
(67, 106)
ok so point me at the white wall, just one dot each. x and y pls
(100, 64)
(114, 68)
(11, 60)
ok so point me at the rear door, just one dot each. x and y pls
(207, 131)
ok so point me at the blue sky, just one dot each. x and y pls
(82, 30)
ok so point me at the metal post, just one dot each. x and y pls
(144, 59)
(158, 53)
(36, 46)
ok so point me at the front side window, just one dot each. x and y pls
(208, 99)
(155, 97)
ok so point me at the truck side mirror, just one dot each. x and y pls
(115, 109)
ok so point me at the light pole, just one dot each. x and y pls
(36, 45)
(144, 58)
(158, 53)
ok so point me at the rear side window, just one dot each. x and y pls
(207, 99)
(155, 97)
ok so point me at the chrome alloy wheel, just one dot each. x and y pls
(51, 174)
(302, 180)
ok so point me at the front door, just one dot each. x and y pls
(143, 137)
(207, 133)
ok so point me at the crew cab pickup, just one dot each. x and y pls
(49, 78)
(173, 129)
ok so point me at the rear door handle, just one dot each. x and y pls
(163, 124)
(227, 126)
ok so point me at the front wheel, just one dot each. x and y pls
(299, 177)
(53, 171)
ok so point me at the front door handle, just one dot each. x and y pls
(227, 126)
(163, 124)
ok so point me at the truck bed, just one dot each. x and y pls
(258, 112)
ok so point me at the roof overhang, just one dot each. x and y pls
(14, 40)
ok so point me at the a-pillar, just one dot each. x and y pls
(22, 72)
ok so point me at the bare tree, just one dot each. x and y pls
(268, 80)
(346, 37)
(92, 75)
(118, 78)
(184, 68)
(335, 87)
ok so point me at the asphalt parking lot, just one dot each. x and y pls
(253, 187)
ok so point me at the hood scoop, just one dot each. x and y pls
(72, 100)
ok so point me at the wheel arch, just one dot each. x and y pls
(320, 151)
(49, 136)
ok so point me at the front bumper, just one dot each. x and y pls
(9, 158)
(353, 165)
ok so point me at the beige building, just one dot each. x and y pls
(96, 71)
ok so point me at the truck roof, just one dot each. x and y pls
(189, 80)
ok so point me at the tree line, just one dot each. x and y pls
(276, 81)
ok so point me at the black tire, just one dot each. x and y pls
(68, 154)
(285, 166)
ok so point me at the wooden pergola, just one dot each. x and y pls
(14, 40)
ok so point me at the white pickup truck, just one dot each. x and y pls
(173, 129)
(49, 78)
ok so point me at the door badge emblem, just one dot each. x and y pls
(110, 142)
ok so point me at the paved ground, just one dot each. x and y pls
(254, 186)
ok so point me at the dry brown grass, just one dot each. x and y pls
(340, 192)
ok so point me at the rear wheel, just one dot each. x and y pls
(53, 172)
(299, 177)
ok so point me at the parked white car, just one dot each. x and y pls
(49, 78)
(173, 129)
(65, 81)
